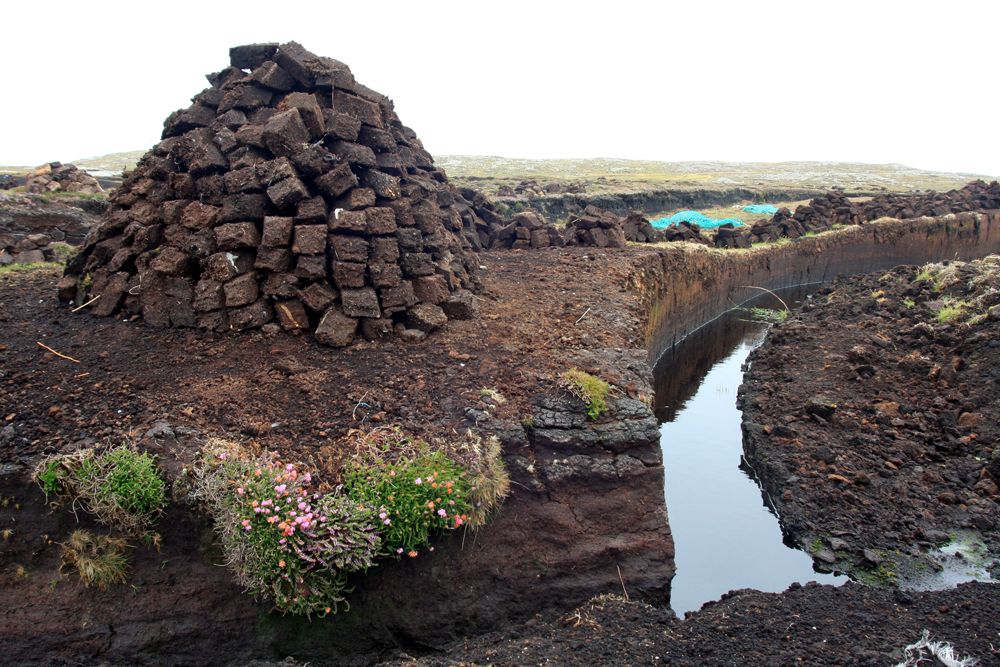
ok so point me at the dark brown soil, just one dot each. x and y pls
(549, 548)
(811, 625)
(287, 392)
(873, 425)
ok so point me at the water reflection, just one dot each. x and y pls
(725, 537)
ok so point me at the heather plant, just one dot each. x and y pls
(283, 539)
(120, 486)
(417, 494)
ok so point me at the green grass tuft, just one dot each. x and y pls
(593, 391)
(772, 315)
(28, 268)
(120, 486)
(950, 311)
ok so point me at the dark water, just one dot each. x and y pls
(725, 536)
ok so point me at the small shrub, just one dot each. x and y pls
(909, 303)
(284, 540)
(100, 560)
(591, 390)
(121, 487)
(415, 496)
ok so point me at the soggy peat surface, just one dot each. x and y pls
(725, 536)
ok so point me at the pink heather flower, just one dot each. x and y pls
(267, 502)
(280, 488)
(387, 521)
(381, 515)
(418, 481)
(399, 550)
(392, 473)
(282, 541)
(239, 490)
(441, 512)
(302, 506)
(289, 467)
(223, 456)
(255, 503)
(306, 478)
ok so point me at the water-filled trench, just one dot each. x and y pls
(725, 535)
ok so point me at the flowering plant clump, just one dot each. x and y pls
(415, 495)
(283, 539)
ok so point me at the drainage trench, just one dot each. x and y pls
(725, 535)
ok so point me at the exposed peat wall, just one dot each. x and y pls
(685, 288)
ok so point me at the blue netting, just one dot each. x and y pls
(767, 209)
(696, 217)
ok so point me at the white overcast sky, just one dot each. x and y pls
(910, 82)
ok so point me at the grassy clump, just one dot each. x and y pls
(950, 310)
(100, 560)
(489, 482)
(6, 269)
(120, 486)
(772, 315)
(593, 391)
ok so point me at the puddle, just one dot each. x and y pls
(965, 558)
(724, 535)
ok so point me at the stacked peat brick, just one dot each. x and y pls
(638, 229)
(58, 177)
(287, 191)
(835, 209)
(528, 229)
(596, 227)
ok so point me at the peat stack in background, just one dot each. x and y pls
(59, 177)
(528, 229)
(596, 227)
(287, 191)
(638, 229)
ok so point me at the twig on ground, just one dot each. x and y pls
(82, 306)
(58, 354)
(623, 582)
(582, 316)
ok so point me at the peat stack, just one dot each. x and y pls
(639, 229)
(528, 229)
(596, 227)
(286, 191)
(59, 177)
